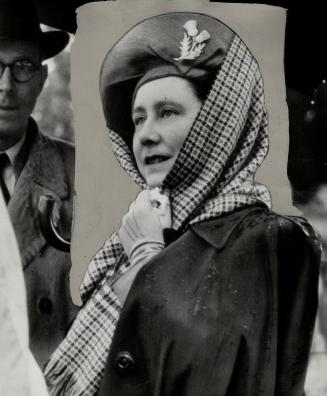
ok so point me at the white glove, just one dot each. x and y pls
(142, 225)
(141, 234)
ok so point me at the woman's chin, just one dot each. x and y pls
(155, 180)
(154, 183)
(155, 174)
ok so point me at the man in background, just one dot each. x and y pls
(33, 165)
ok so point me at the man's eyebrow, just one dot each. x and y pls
(25, 57)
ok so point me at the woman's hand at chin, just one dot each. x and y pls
(144, 222)
(141, 234)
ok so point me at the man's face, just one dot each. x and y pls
(17, 99)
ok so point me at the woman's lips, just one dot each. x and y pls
(155, 159)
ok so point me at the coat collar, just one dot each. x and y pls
(218, 231)
(44, 165)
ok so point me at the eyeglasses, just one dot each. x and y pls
(21, 70)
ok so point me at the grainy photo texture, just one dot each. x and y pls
(185, 296)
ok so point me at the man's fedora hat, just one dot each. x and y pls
(19, 20)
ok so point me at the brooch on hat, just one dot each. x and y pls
(193, 42)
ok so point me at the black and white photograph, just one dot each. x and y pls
(163, 198)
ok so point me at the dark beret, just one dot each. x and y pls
(184, 44)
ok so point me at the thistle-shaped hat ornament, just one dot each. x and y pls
(193, 42)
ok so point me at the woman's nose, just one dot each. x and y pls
(148, 134)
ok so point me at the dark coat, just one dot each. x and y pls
(226, 309)
(49, 169)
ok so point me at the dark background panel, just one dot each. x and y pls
(305, 42)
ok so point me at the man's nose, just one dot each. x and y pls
(6, 80)
(149, 133)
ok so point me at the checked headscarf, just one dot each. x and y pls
(213, 174)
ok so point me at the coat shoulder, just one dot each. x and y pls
(64, 148)
(63, 151)
(255, 223)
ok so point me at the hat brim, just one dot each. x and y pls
(52, 43)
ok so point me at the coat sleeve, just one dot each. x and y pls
(298, 270)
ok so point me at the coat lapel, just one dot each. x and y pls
(43, 173)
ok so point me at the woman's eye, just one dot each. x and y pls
(139, 120)
(166, 113)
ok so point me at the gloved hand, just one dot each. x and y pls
(141, 234)
(142, 226)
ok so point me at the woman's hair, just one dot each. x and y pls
(203, 85)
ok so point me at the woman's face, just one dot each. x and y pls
(163, 113)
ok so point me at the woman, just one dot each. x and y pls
(224, 298)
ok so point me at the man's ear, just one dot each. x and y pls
(44, 75)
